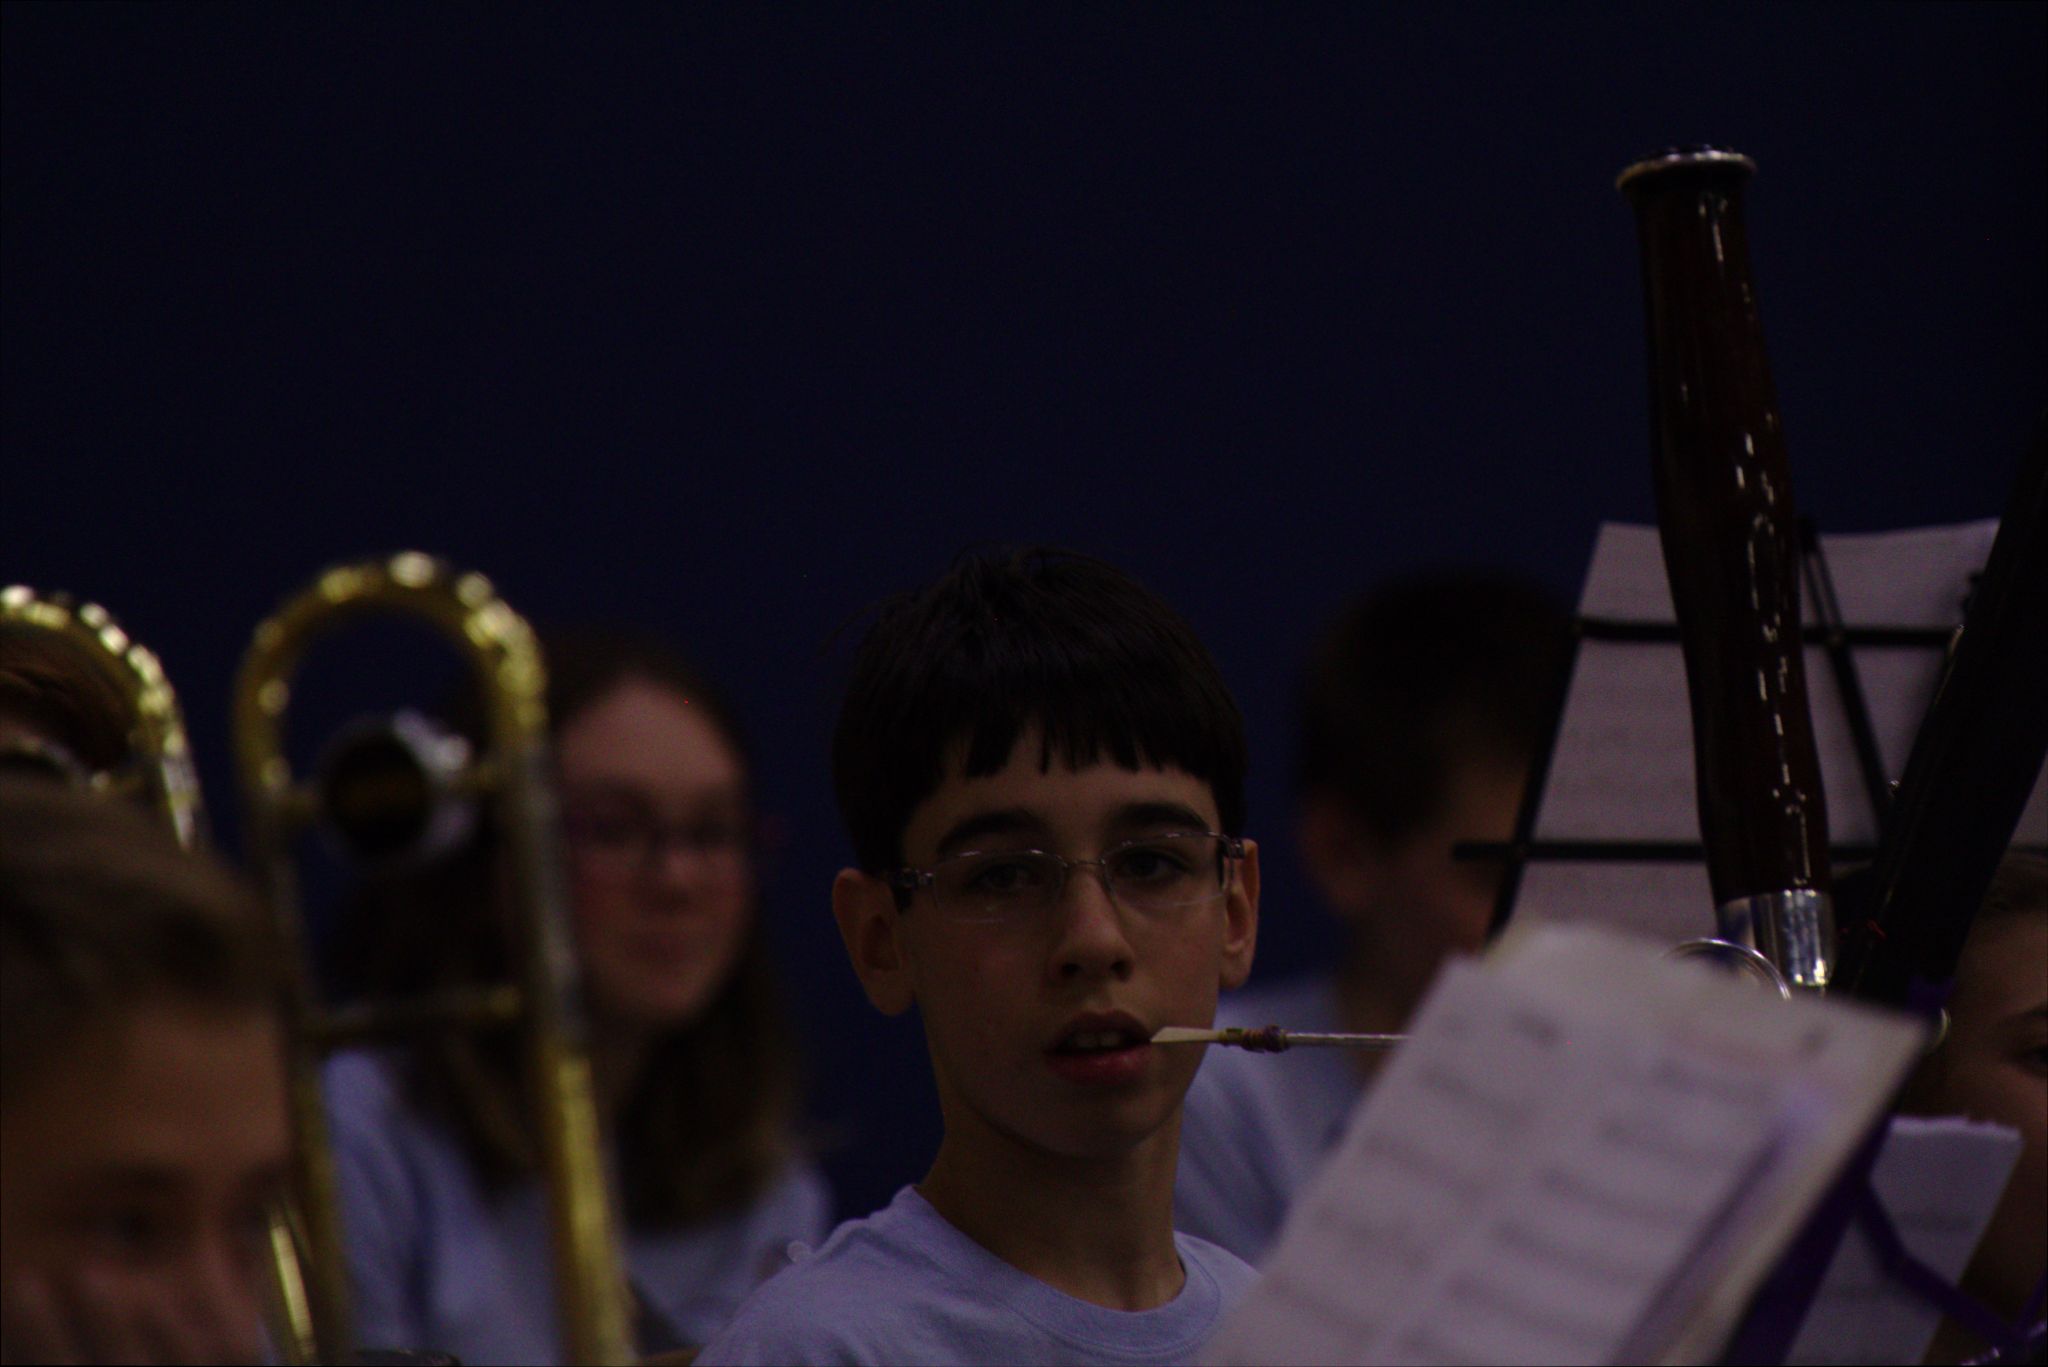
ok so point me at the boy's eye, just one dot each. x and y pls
(1140, 864)
(1005, 875)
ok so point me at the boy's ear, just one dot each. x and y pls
(1241, 919)
(1342, 862)
(865, 908)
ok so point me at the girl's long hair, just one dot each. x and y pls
(707, 1126)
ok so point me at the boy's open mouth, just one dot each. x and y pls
(1098, 1041)
(1101, 1049)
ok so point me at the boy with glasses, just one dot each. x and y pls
(1042, 774)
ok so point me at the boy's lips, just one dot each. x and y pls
(1101, 1048)
(1093, 1029)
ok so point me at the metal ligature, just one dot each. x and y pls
(1731, 553)
(367, 787)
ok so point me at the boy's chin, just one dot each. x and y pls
(1105, 1132)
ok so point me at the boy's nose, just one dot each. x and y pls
(1091, 939)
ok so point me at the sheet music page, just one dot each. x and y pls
(1939, 1179)
(1623, 764)
(1567, 1162)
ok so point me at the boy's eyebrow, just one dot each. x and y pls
(1147, 814)
(1007, 821)
(1019, 820)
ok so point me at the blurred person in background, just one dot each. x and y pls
(143, 1125)
(1993, 1065)
(1423, 706)
(694, 1071)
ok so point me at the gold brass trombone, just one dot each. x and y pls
(510, 775)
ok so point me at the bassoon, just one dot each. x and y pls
(1731, 552)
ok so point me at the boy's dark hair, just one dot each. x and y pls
(1013, 639)
(100, 911)
(708, 1126)
(1421, 676)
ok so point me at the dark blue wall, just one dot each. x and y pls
(733, 319)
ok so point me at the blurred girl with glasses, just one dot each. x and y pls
(446, 1219)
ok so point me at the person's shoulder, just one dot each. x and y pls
(889, 1243)
(838, 1302)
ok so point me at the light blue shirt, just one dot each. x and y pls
(438, 1262)
(1256, 1127)
(904, 1286)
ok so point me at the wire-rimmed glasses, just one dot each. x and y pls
(1156, 875)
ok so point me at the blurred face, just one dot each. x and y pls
(1453, 898)
(139, 1165)
(1411, 902)
(1994, 1066)
(1038, 1029)
(657, 831)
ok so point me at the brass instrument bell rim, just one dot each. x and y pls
(156, 726)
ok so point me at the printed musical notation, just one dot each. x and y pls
(1572, 1160)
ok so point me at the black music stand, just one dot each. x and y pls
(1625, 611)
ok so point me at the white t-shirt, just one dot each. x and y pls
(904, 1286)
(437, 1262)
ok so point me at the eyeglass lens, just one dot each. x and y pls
(1165, 873)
